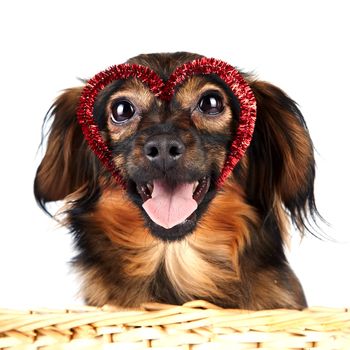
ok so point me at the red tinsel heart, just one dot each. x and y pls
(165, 92)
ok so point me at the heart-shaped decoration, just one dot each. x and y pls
(165, 91)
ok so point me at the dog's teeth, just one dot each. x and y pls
(150, 187)
(195, 185)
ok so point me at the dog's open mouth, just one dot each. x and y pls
(168, 206)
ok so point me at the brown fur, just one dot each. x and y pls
(290, 144)
(136, 92)
(234, 257)
(188, 95)
(211, 255)
(61, 148)
(215, 240)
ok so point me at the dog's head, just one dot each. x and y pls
(170, 153)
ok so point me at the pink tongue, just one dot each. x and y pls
(170, 206)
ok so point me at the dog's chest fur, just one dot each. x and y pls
(132, 267)
(176, 272)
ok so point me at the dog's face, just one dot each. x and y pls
(169, 153)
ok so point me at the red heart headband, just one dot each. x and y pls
(165, 91)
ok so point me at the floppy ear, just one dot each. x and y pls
(281, 158)
(68, 164)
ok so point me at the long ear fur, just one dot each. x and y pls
(68, 164)
(281, 159)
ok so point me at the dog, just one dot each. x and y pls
(171, 235)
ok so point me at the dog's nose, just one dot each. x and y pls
(164, 151)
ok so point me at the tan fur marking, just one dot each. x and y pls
(93, 288)
(190, 264)
(221, 235)
(140, 96)
(121, 220)
(225, 224)
(188, 96)
(282, 220)
(191, 274)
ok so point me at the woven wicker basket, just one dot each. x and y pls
(195, 325)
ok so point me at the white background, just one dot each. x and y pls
(301, 46)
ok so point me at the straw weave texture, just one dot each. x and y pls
(195, 325)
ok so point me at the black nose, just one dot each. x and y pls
(164, 151)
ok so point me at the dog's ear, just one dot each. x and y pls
(281, 158)
(68, 163)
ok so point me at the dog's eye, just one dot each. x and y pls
(211, 104)
(122, 111)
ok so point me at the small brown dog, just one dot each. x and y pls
(230, 250)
